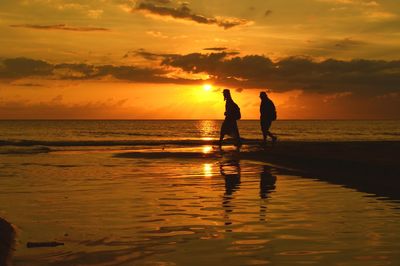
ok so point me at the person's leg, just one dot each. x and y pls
(236, 134)
(273, 137)
(221, 138)
(222, 133)
(264, 130)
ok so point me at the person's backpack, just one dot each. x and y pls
(272, 111)
(236, 112)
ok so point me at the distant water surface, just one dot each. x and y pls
(133, 132)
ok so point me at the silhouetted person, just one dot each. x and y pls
(232, 114)
(230, 170)
(267, 115)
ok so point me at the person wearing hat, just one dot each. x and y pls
(232, 114)
(267, 115)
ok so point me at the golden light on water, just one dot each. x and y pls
(207, 129)
(207, 170)
(207, 149)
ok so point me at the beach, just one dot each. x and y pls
(119, 199)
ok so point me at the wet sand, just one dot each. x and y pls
(367, 166)
(172, 205)
(7, 236)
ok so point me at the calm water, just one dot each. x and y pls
(110, 210)
(193, 130)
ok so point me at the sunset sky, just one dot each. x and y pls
(152, 59)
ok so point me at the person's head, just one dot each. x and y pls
(263, 95)
(227, 94)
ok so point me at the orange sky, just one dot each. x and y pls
(150, 59)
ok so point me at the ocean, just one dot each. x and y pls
(64, 134)
(66, 181)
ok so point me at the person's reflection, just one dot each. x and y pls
(267, 185)
(230, 170)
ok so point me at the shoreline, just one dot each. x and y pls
(7, 241)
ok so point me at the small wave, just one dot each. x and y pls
(105, 143)
(110, 133)
(391, 134)
(67, 143)
(24, 150)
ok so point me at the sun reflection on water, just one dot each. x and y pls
(207, 129)
(207, 169)
(207, 149)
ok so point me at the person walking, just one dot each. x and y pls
(267, 115)
(232, 114)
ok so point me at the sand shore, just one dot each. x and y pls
(7, 238)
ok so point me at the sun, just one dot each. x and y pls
(207, 87)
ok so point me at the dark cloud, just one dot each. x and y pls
(348, 43)
(16, 68)
(147, 55)
(58, 27)
(22, 67)
(215, 49)
(28, 84)
(184, 12)
(368, 77)
(328, 76)
(160, 1)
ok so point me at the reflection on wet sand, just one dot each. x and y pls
(230, 170)
(267, 182)
(267, 185)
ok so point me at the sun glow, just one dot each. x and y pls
(207, 87)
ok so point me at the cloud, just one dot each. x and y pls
(95, 13)
(223, 69)
(348, 43)
(267, 12)
(258, 71)
(185, 13)
(156, 34)
(147, 55)
(18, 68)
(215, 49)
(336, 96)
(24, 67)
(380, 15)
(160, 1)
(28, 84)
(58, 27)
